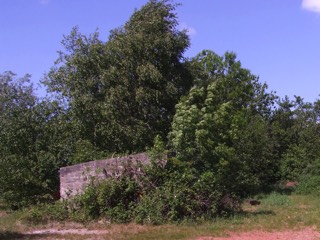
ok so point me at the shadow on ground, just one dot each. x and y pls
(15, 235)
(256, 213)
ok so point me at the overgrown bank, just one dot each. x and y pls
(277, 213)
(171, 193)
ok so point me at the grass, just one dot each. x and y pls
(276, 212)
(276, 199)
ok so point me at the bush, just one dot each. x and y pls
(113, 199)
(173, 201)
(172, 194)
(117, 198)
(43, 213)
(293, 163)
(165, 192)
(309, 184)
(185, 195)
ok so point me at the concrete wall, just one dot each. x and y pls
(73, 179)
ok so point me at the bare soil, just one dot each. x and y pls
(303, 234)
(82, 231)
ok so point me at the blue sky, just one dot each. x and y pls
(279, 40)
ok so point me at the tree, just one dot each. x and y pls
(297, 135)
(35, 141)
(222, 124)
(122, 93)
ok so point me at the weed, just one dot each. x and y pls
(276, 199)
(309, 184)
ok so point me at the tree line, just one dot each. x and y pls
(118, 96)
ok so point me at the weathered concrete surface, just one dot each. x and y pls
(73, 179)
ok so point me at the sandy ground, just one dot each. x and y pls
(304, 234)
(82, 231)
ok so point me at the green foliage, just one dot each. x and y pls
(158, 151)
(296, 130)
(229, 137)
(110, 97)
(309, 184)
(117, 198)
(85, 151)
(221, 125)
(177, 194)
(113, 199)
(122, 93)
(44, 213)
(294, 162)
(276, 199)
(171, 202)
(34, 143)
(255, 151)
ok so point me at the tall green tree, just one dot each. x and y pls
(35, 141)
(297, 135)
(222, 124)
(122, 93)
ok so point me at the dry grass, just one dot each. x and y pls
(276, 212)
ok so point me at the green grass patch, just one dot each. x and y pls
(276, 212)
(276, 199)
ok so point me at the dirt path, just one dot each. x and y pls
(82, 231)
(304, 234)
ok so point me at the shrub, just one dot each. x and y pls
(45, 212)
(185, 195)
(173, 193)
(293, 163)
(164, 192)
(309, 184)
(117, 198)
(171, 202)
(276, 199)
(113, 199)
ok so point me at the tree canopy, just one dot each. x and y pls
(35, 142)
(221, 124)
(122, 93)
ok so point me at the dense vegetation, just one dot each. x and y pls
(231, 137)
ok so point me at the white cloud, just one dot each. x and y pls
(311, 5)
(43, 2)
(190, 30)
